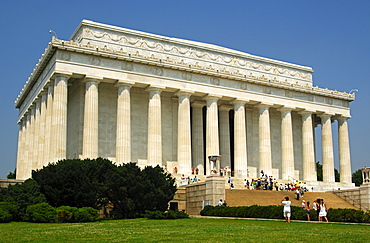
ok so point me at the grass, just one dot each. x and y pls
(186, 230)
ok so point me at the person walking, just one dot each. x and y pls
(286, 209)
(323, 211)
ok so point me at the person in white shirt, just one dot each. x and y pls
(286, 209)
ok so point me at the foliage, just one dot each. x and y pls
(66, 214)
(74, 182)
(275, 212)
(8, 208)
(11, 175)
(86, 214)
(5, 216)
(95, 183)
(22, 195)
(357, 177)
(41, 213)
(165, 215)
(320, 174)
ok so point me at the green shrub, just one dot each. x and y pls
(5, 216)
(41, 213)
(66, 214)
(165, 215)
(11, 208)
(86, 214)
(275, 212)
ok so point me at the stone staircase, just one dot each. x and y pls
(244, 197)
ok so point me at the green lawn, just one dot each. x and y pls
(184, 230)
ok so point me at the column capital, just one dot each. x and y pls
(264, 105)
(240, 101)
(183, 92)
(158, 88)
(306, 112)
(325, 115)
(198, 103)
(212, 97)
(125, 83)
(92, 79)
(286, 108)
(343, 118)
(61, 75)
(225, 107)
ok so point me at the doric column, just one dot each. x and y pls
(184, 133)
(24, 170)
(31, 143)
(123, 137)
(240, 140)
(344, 151)
(308, 150)
(212, 140)
(264, 139)
(225, 135)
(287, 149)
(48, 125)
(21, 147)
(59, 118)
(35, 159)
(42, 130)
(327, 149)
(197, 133)
(90, 146)
(154, 126)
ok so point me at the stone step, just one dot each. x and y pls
(244, 197)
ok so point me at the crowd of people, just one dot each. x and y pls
(319, 206)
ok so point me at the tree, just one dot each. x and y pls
(320, 174)
(22, 195)
(357, 177)
(11, 175)
(74, 182)
(95, 183)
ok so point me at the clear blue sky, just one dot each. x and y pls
(330, 36)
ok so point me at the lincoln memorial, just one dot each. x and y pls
(127, 95)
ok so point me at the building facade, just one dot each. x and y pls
(128, 95)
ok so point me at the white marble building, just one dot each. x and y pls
(128, 95)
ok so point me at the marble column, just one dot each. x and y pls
(23, 171)
(344, 151)
(31, 143)
(90, 145)
(287, 149)
(212, 139)
(21, 147)
(265, 162)
(123, 137)
(42, 130)
(154, 126)
(327, 149)
(240, 140)
(197, 133)
(308, 149)
(184, 133)
(35, 161)
(48, 121)
(59, 118)
(225, 135)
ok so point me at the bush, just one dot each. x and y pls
(165, 215)
(86, 214)
(66, 214)
(11, 208)
(275, 212)
(5, 216)
(41, 213)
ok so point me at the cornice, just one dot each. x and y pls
(137, 57)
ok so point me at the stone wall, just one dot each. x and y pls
(359, 197)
